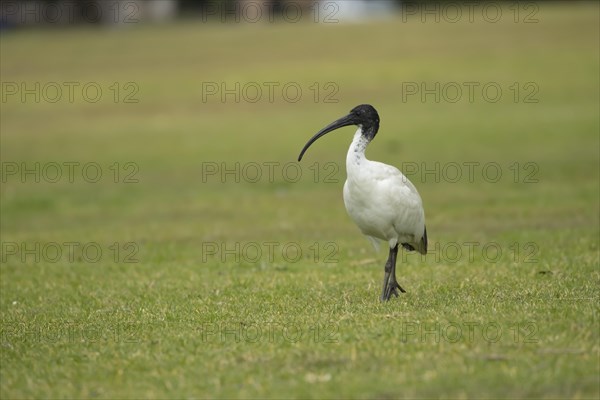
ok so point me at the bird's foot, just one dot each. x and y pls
(391, 289)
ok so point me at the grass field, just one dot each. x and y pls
(177, 273)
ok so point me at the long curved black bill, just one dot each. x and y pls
(344, 121)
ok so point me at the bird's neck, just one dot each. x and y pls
(356, 152)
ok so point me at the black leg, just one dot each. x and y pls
(390, 284)
(386, 276)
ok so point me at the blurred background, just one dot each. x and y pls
(118, 12)
(155, 128)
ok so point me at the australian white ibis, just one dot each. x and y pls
(378, 197)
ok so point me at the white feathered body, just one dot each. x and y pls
(381, 201)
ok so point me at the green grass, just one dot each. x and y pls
(181, 322)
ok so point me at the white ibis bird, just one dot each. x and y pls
(378, 197)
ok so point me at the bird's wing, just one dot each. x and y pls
(402, 195)
(396, 183)
(397, 178)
